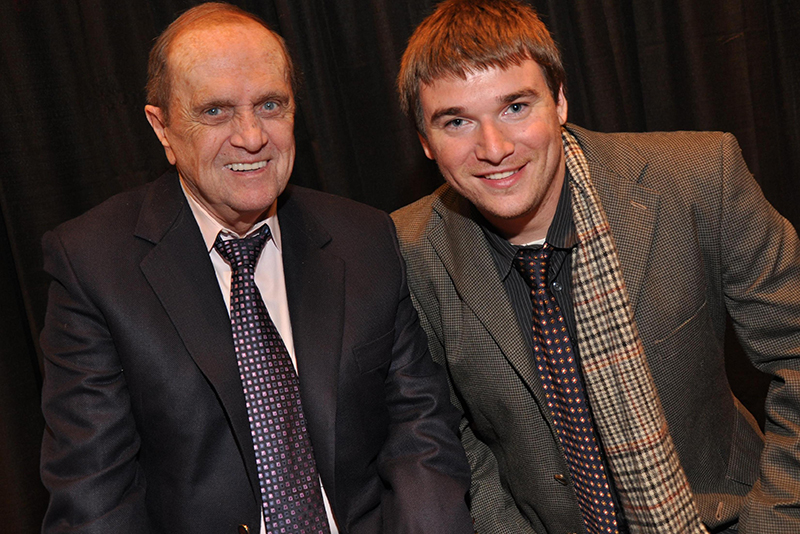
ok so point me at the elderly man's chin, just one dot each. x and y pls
(259, 187)
(238, 199)
(252, 200)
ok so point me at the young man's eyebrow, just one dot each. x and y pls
(523, 93)
(445, 112)
(505, 99)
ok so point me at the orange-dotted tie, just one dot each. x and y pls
(558, 371)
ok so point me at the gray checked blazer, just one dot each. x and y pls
(697, 241)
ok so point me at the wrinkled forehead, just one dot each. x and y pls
(205, 43)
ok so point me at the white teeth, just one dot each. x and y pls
(246, 166)
(499, 175)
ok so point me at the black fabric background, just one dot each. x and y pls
(73, 132)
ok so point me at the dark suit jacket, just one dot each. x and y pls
(147, 428)
(696, 240)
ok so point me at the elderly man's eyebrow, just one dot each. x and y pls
(213, 103)
(280, 97)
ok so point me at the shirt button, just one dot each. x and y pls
(556, 286)
(561, 479)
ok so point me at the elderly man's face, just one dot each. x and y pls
(231, 119)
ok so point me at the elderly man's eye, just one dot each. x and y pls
(270, 106)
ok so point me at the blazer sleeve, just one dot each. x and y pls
(493, 508)
(761, 281)
(89, 450)
(421, 458)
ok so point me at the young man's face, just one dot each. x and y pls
(496, 137)
(231, 118)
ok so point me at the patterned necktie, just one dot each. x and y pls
(287, 473)
(563, 387)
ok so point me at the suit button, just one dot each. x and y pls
(556, 286)
(243, 529)
(561, 479)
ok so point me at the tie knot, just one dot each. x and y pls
(532, 264)
(242, 252)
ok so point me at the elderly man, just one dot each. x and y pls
(576, 286)
(224, 352)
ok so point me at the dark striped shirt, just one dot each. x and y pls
(562, 237)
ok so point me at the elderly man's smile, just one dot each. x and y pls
(244, 167)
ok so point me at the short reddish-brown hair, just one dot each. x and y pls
(159, 77)
(464, 36)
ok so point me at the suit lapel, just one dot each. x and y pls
(315, 290)
(616, 169)
(462, 248)
(181, 274)
(632, 213)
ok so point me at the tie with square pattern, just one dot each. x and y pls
(563, 387)
(290, 490)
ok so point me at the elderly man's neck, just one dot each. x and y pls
(237, 222)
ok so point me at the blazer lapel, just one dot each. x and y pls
(616, 169)
(462, 247)
(315, 290)
(182, 276)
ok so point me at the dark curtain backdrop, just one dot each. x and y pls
(72, 129)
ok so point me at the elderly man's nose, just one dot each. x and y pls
(249, 133)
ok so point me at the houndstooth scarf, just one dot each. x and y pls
(652, 486)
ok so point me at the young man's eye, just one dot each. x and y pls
(516, 107)
(455, 123)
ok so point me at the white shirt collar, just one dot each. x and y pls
(210, 227)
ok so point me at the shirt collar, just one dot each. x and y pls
(210, 227)
(560, 235)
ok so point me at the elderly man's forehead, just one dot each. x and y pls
(204, 35)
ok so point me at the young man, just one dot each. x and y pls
(576, 286)
(224, 352)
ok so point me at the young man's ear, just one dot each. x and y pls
(157, 119)
(561, 106)
(425, 146)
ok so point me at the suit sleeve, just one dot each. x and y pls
(761, 280)
(422, 459)
(492, 507)
(89, 451)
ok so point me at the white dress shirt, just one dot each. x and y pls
(269, 280)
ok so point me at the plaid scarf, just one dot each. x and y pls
(652, 486)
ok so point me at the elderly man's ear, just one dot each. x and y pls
(157, 119)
